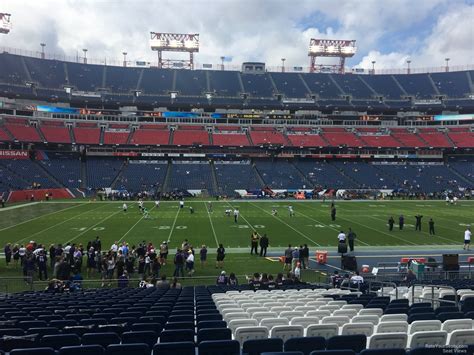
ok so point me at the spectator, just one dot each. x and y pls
(91, 261)
(288, 258)
(233, 280)
(271, 285)
(336, 279)
(255, 282)
(295, 257)
(279, 280)
(41, 260)
(123, 280)
(203, 255)
(190, 263)
(222, 279)
(8, 253)
(175, 284)
(163, 282)
(356, 279)
(410, 277)
(305, 256)
(178, 263)
(220, 257)
(16, 254)
(52, 255)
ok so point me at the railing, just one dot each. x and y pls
(434, 301)
(78, 58)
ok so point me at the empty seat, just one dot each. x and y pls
(33, 351)
(243, 334)
(339, 320)
(424, 338)
(456, 324)
(234, 324)
(356, 342)
(333, 352)
(450, 315)
(304, 321)
(148, 337)
(388, 341)
(383, 352)
(258, 346)
(127, 349)
(371, 311)
(393, 318)
(172, 336)
(174, 348)
(286, 332)
(179, 325)
(461, 337)
(58, 341)
(260, 315)
(214, 334)
(392, 327)
(305, 345)
(222, 347)
(212, 324)
(104, 339)
(322, 330)
(43, 331)
(271, 322)
(421, 316)
(82, 350)
(424, 325)
(366, 329)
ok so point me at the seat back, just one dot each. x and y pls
(304, 321)
(58, 341)
(388, 341)
(356, 342)
(228, 347)
(322, 330)
(214, 334)
(82, 350)
(242, 334)
(235, 323)
(258, 346)
(127, 349)
(461, 337)
(424, 326)
(366, 319)
(286, 332)
(339, 320)
(366, 329)
(271, 322)
(393, 327)
(419, 339)
(305, 344)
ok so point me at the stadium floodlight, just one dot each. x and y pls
(174, 42)
(338, 48)
(5, 23)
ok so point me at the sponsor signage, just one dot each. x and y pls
(14, 154)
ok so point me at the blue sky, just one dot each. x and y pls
(387, 31)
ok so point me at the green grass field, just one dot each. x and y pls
(79, 222)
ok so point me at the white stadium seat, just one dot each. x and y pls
(339, 320)
(388, 341)
(371, 311)
(237, 315)
(242, 334)
(461, 337)
(304, 321)
(271, 322)
(235, 323)
(392, 327)
(366, 318)
(322, 330)
(451, 325)
(260, 315)
(422, 339)
(286, 332)
(357, 328)
(393, 318)
(424, 326)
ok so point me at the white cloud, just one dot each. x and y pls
(244, 29)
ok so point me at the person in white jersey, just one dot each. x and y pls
(125, 207)
(467, 238)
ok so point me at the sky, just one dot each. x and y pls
(389, 32)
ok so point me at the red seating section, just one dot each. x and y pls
(87, 135)
(343, 138)
(230, 139)
(145, 136)
(116, 137)
(190, 137)
(4, 137)
(462, 139)
(307, 140)
(55, 132)
(408, 139)
(23, 132)
(260, 137)
(384, 141)
(434, 138)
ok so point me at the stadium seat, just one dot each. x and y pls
(58, 341)
(211, 324)
(388, 341)
(305, 344)
(424, 325)
(383, 352)
(392, 327)
(148, 337)
(82, 349)
(126, 349)
(33, 351)
(223, 347)
(322, 330)
(286, 332)
(424, 338)
(103, 339)
(333, 352)
(243, 334)
(258, 346)
(173, 336)
(461, 337)
(357, 328)
(354, 342)
(208, 334)
(173, 348)
(426, 351)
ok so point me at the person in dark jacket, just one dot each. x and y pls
(351, 236)
(263, 245)
(8, 253)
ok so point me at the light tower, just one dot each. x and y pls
(42, 50)
(124, 59)
(5, 23)
(222, 62)
(283, 65)
(175, 42)
(336, 48)
(408, 66)
(447, 64)
(85, 55)
(373, 67)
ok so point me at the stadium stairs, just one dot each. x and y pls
(50, 176)
(119, 175)
(249, 138)
(458, 174)
(259, 176)
(399, 85)
(101, 137)
(435, 88)
(308, 183)
(167, 179)
(40, 133)
(71, 135)
(215, 184)
(171, 137)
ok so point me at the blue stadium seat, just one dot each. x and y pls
(421, 316)
(214, 334)
(127, 349)
(12, 332)
(282, 353)
(33, 351)
(79, 330)
(221, 347)
(355, 342)
(450, 315)
(427, 351)
(148, 337)
(155, 327)
(103, 339)
(172, 336)
(58, 341)
(257, 346)
(179, 325)
(173, 348)
(43, 331)
(383, 352)
(333, 352)
(32, 324)
(208, 316)
(211, 324)
(82, 350)
(305, 344)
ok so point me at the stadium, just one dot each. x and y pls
(166, 205)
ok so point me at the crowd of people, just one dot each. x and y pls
(260, 281)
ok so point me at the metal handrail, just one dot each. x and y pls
(432, 294)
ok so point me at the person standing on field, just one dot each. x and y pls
(254, 238)
(431, 226)
(401, 222)
(418, 218)
(467, 238)
(351, 236)
(263, 245)
(391, 221)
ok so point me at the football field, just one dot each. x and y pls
(81, 221)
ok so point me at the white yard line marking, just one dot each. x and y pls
(47, 214)
(246, 221)
(174, 223)
(58, 224)
(212, 224)
(126, 233)
(282, 221)
(18, 206)
(89, 228)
